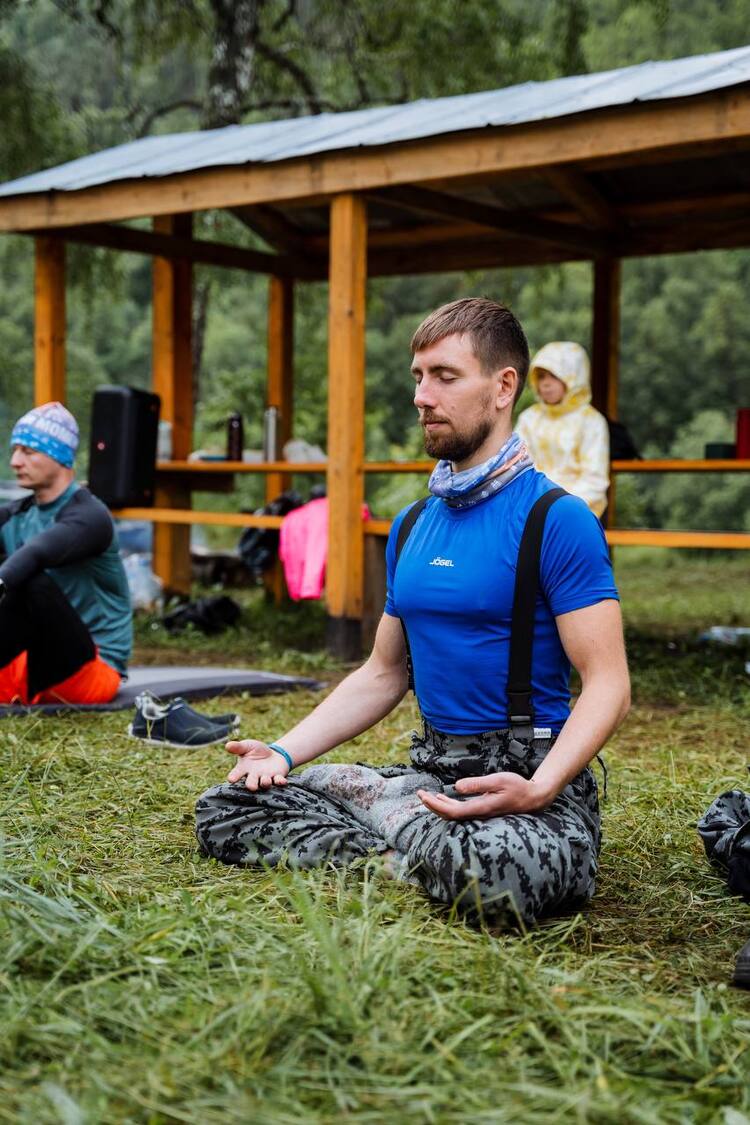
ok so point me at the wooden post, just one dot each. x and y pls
(280, 393)
(346, 423)
(280, 369)
(605, 350)
(173, 381)
(49, 321)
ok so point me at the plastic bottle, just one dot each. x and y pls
(235, 437)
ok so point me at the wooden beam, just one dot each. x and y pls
(717, 203)
(735, 144)
(275, 229)
(280, 389)
(426, 234)
(187, 517)
(641, 537)
(434, 234)
(482, 253)
(346, 423)
(605, 342)
(718, 121)
(398, 466)
(204, 470)
(681, 237)
(226, 468)
(114, 237)
(578, 190)
(605, 352)
(375, 584)
(496, 252)
(514, 223)
(172, 379)
(279, 393)
(716, 540)
(172, 337)
(49, 321)
(672, 465)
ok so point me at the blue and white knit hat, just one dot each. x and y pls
(50, 429)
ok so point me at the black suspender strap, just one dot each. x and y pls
(404, 531)
(520, 707)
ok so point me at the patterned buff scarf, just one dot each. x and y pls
(472, 486)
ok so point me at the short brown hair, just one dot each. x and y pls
(497, 338)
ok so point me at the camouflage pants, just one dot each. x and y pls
(520, 866)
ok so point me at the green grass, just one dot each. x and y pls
(141, 983)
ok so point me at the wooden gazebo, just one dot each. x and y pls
(649, 160)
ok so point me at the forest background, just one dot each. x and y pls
(77, 76)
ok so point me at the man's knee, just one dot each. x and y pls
(221, 813)
(39, 589)
(500, 869)
(446, 861)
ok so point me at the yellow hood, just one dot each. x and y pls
(569, 362)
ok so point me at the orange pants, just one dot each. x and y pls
(94, 682)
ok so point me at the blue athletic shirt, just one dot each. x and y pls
(454, 586)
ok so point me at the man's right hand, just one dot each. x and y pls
(258, 764)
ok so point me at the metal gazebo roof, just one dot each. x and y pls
(267, 142)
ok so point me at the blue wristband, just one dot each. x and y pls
(280, 750)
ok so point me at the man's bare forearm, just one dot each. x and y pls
(601, 707)
(361, 700)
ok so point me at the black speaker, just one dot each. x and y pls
(122, 451)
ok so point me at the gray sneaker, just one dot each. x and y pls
(175, 724)
(231, 719)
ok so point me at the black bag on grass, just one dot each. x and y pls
(210, 615)
(725, 831)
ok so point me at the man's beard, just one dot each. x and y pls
(453, 446)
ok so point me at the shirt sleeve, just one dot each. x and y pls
(576, 570)
(83, 528)
(4, 517)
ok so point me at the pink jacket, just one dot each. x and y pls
(303, 548)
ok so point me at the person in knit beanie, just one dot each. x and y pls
(65, 615)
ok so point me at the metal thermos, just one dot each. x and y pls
(235, 437)
(271, 434)
(164, 442)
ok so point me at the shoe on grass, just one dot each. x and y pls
(741, 978)
(174, 724)
(231, 719)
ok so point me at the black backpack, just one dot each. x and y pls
(621, 445)
(725, 831)
(259, 546)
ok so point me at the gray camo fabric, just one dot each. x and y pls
(517, 868)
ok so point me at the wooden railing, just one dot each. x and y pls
(208, 475)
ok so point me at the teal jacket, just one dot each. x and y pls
(73, 539)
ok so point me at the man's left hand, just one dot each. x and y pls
(500, 794)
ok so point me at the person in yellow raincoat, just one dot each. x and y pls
(567, 438)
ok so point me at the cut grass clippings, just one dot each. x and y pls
(142, 983)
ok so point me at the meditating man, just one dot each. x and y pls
(65, 616)
(498, 811)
